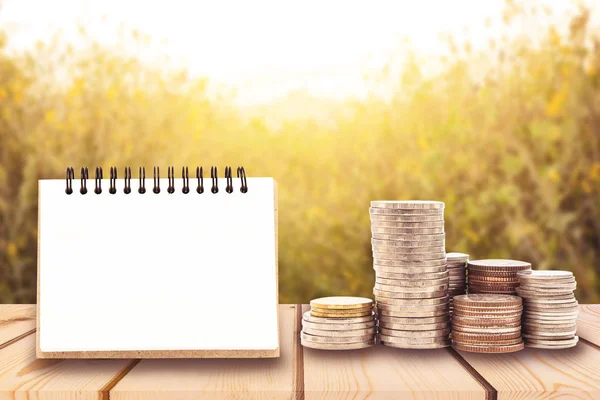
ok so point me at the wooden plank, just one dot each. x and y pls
(536, 373)
(220, 378)
(15, 321)
(385, 373)
(588, 323)
(24, 376)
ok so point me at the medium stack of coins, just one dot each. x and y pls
(550, 314)
(457, 272)
(494, 276)
(487, 323)
(411, 278)
(339, 323)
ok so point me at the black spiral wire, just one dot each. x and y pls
(185, 177)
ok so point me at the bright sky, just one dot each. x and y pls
(264, 48)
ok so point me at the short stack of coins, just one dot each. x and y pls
(411, 278)
(487, 323)
(550, 309)
(494, 276)
(339, 323)
(457, 274)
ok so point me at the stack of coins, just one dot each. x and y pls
(550, 314)
(487, 323)
(494, 276)
(339, 323)
(411, 278)
(457, 272)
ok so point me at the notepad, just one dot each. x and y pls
(157, 275)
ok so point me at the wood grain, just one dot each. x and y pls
(588, 323)
(536, 373)
(219, 378)
(385, 373)
(22, 376)
(15, 320)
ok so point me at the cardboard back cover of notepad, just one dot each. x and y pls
(157, 275)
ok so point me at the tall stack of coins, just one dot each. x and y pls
(494, 276)
(411, 278)
(550, 314)
(339, 323)
(457, 272)
(487, 323)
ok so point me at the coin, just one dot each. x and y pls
(475, 321)
(529, 336)
(338, 327)
(408, 218)
(403, 224)
(348, 320)
(409, 308)
(488, 348)
(468, 329)
(411, 295)
(416, 314)
(408, 244)
(484, 279)
(409, 238)
(337, 346)
(484, 337)
(412, 340)
(407, 204)
(544, 274)
(541, 295)
(406, 231)
(416, 334)
(414, 320)
(487, 300)
(341, 302)
(550, 301)
(339, 334)
(399, 302)
(409, 250)
(422, 258)
(340, 314)
(407, 212)
(551, 334)
(535, 326)
(410, 290)
(415, 346)
(400, 276)
(550, 346)
(414, 327)
(498, 264)
(411, 282)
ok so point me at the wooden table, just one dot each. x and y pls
(375, 373)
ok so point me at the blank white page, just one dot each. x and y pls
(157, 271)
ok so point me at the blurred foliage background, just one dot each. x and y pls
(513, 152)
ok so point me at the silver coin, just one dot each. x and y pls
(550, 289)
(413, 313)
(421, 289)
(549, 334)
(411, 282)
(407, 204)
(409, 321)
(434, 257)
(549, 322)
(408, 270)
(337, 346)
(408, 244)
(416, 328)
(411, 225)
(408, 218)
(534, 326)
(550, 301)
(487, 330)
(321, 320)
(552, 343)
(544, 274)
(408, 250)
(458, 257)
(415, 334)
(338, 327)
(536, 337)
(410, 340)
(334, 340)
(414, 346)
(405, 212)
(419, 275)
(411, 302)
(339, 334)
(381, 262)
(406, 231)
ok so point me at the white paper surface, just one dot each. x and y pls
(157, 271)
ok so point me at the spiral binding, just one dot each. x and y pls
(229, 186)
